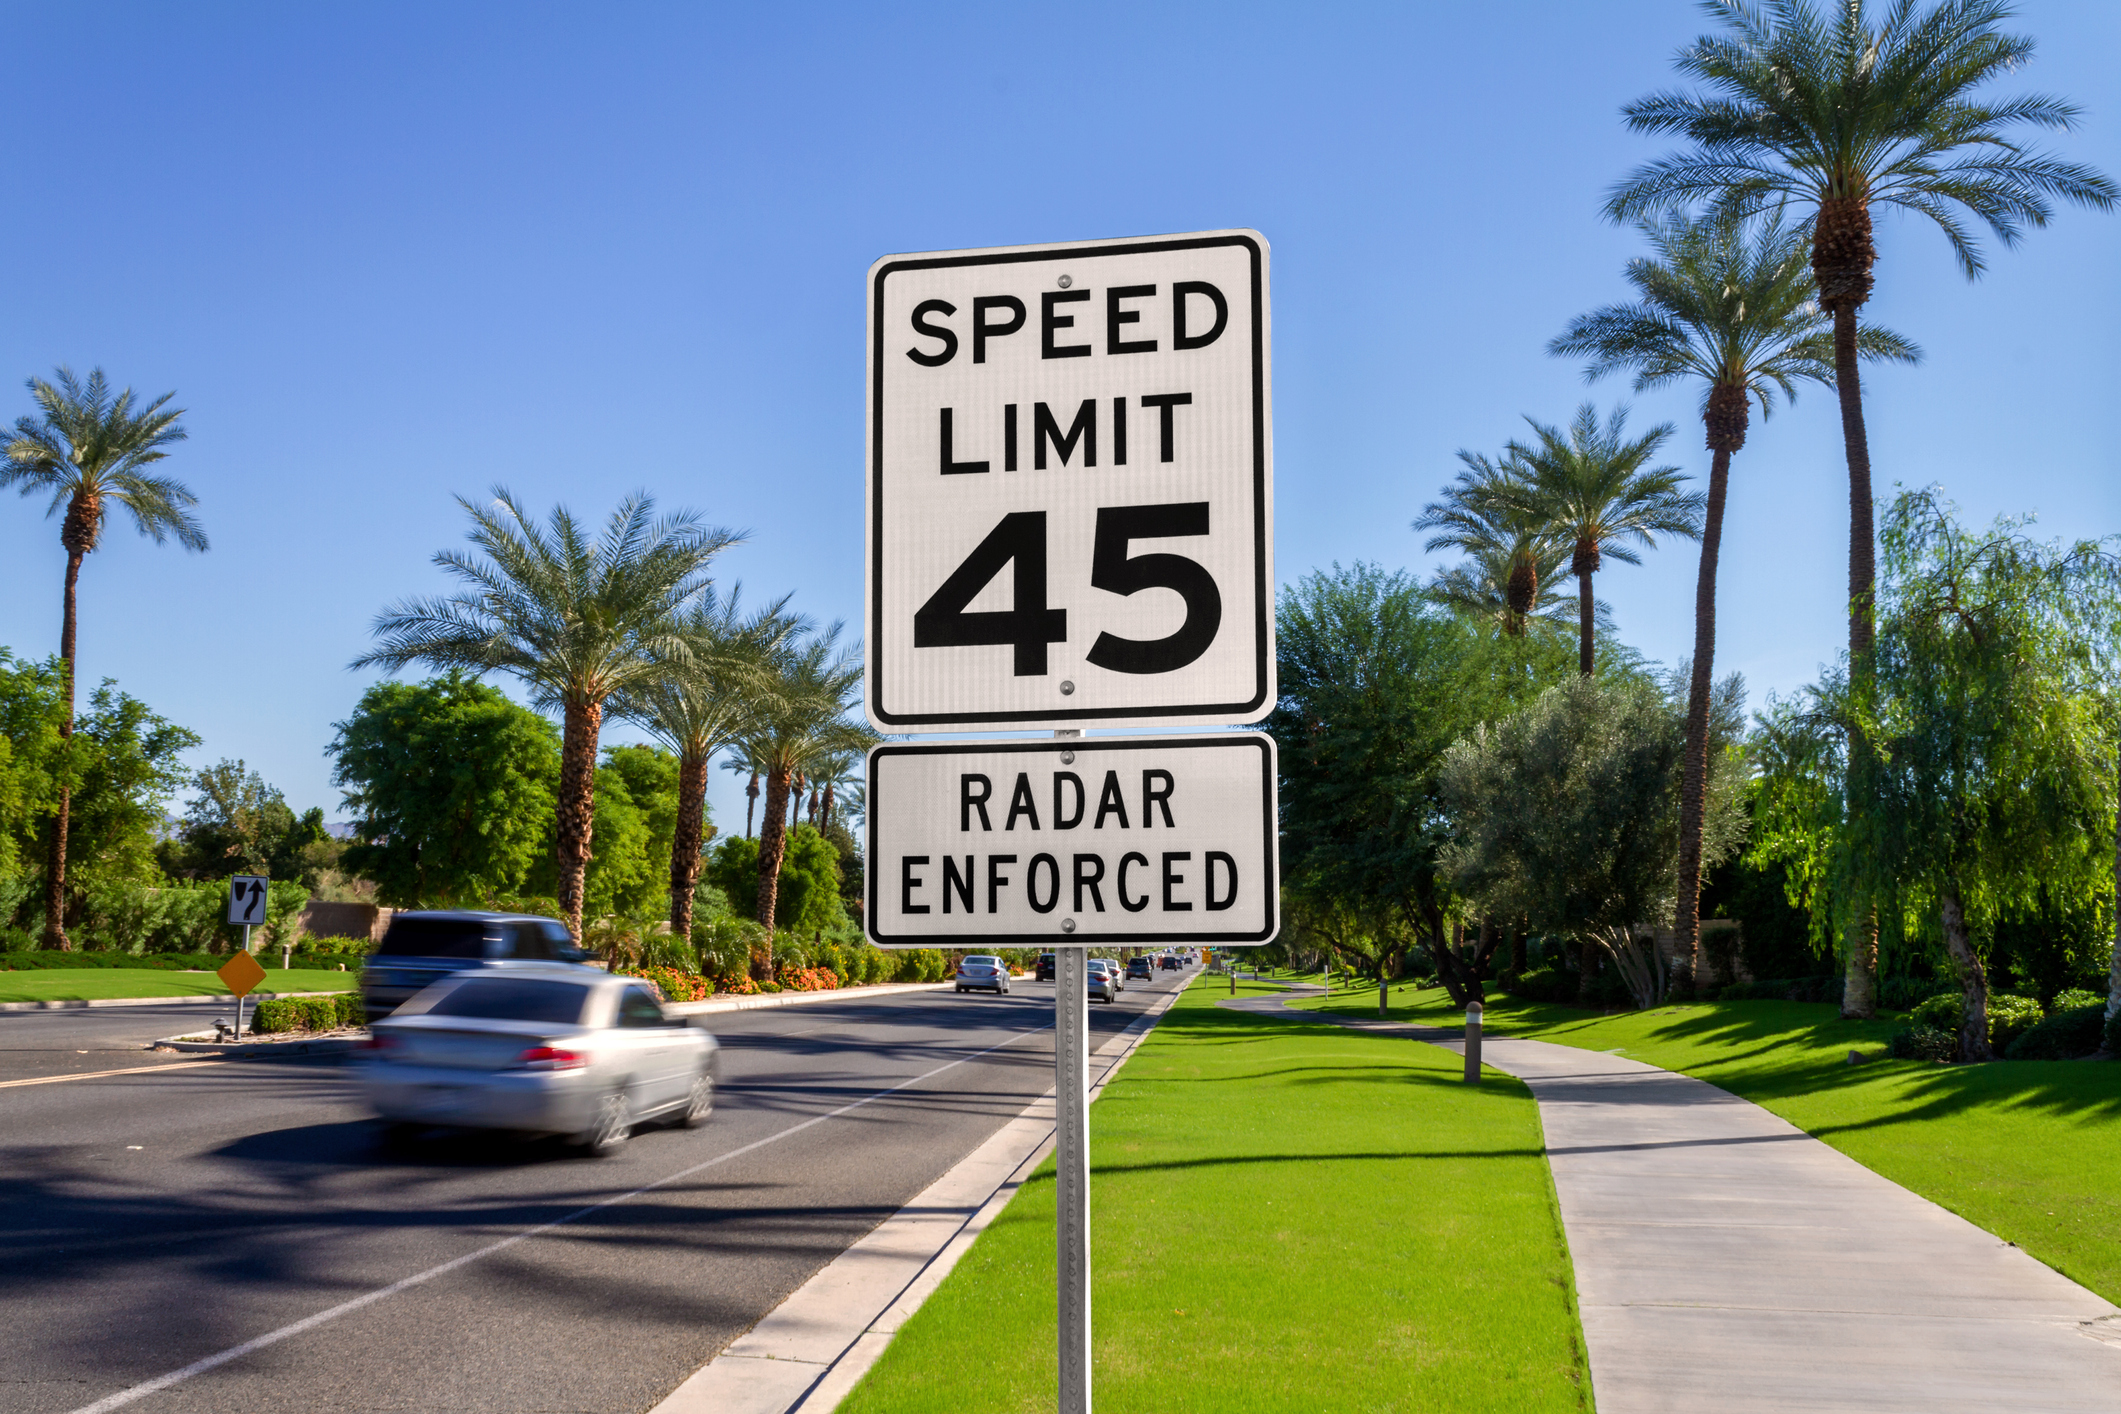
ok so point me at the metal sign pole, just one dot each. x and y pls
(1071, 1080)
(239, 1000)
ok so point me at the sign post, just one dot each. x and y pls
(246, 907)
(1070, 525)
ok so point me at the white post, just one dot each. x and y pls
(239, 1000)
(1071, 1080)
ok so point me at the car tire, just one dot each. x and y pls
(699, 1102)
(610, 1129)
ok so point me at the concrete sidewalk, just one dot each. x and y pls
(1727, 1261)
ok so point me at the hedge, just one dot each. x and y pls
(2065, 1035)
(2009, 1017)
(308, 1014)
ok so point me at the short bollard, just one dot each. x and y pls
(1472, 1043)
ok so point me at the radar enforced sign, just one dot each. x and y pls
(1073, 842)
(1070, 485)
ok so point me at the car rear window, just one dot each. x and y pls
(982, 962)
(435, 937)
(514, 999)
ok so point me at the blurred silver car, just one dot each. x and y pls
(540, 1048)
(1104, 980)
(983, 972)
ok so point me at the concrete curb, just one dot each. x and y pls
(811, 1350)
(195, 999)
(772, 999)
(293, 1046)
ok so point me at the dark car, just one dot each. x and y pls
(419, 949)
(1139, 967)
(1046, 967)
(1169, 963)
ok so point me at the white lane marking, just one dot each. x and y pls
(236, 1352)
(100, 1074)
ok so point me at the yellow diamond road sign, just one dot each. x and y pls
(241, 973)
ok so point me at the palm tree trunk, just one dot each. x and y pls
(751, 800)
(1973, 980)
(1694, 783)
(582, 724)
(1859, 991)
(685, 847)
(773, 844)
(1586, 619)
(55, 863)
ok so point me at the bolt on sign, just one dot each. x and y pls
(1162, 839)
(1070, 477)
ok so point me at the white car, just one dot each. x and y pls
(985, 973)
(1104, 981)
(543, 1049)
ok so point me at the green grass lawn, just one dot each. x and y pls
(86, 984)
(1286, 1218)
(2029, 1150)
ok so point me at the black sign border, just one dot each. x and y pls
(1257, 741)
(1263, 606)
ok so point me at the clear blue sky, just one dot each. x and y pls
(390, 253)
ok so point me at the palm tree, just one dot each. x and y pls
(91, 449)
(1828, 112)
(1512, 558)
(1833, 115)
(801, 722)
(700, 704)
(575, 619)
(1589, 485)
(1735, 311)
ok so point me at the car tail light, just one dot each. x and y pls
(550, 1058)
(381, 1043)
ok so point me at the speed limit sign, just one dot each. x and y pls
(1070, 477)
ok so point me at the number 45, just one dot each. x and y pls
(1028, 625)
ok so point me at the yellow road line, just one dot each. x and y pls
(99, 1074)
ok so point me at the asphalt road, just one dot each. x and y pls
(34, 1043)
(158, 1219)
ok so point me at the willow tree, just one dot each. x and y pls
(576, 618)
(1831, 110)
(1995, 785)
(699, 703)
(90, 450)
(1733, 311)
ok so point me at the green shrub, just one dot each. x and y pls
(1543, 984)
(352, 1011)
(2074, 998)
(2009, 1017)
(1924, 1043)
(289, 1014)
(2065, 1035)
(39, 961)
(337, 948)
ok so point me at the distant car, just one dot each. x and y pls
(983, 974)
(1119, 978)
(1104, 983)
(1139, 967)
(1169, 963)
(541, 1048)
(1047, 967)
(420, 949)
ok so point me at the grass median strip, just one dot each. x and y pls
(1284, 1218)
(2028, 1150)
(102, 983)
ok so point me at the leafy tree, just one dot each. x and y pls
(1376, 682)
(807, 891)
(1734, 311)
(31, 747)
(1995, 787)
(1567, 815)
(699, 705)
(576, 619)
(1832, 110)
(1589, 486)
(800, 722)
(91, 450)
(451, 785)
(238, 824)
